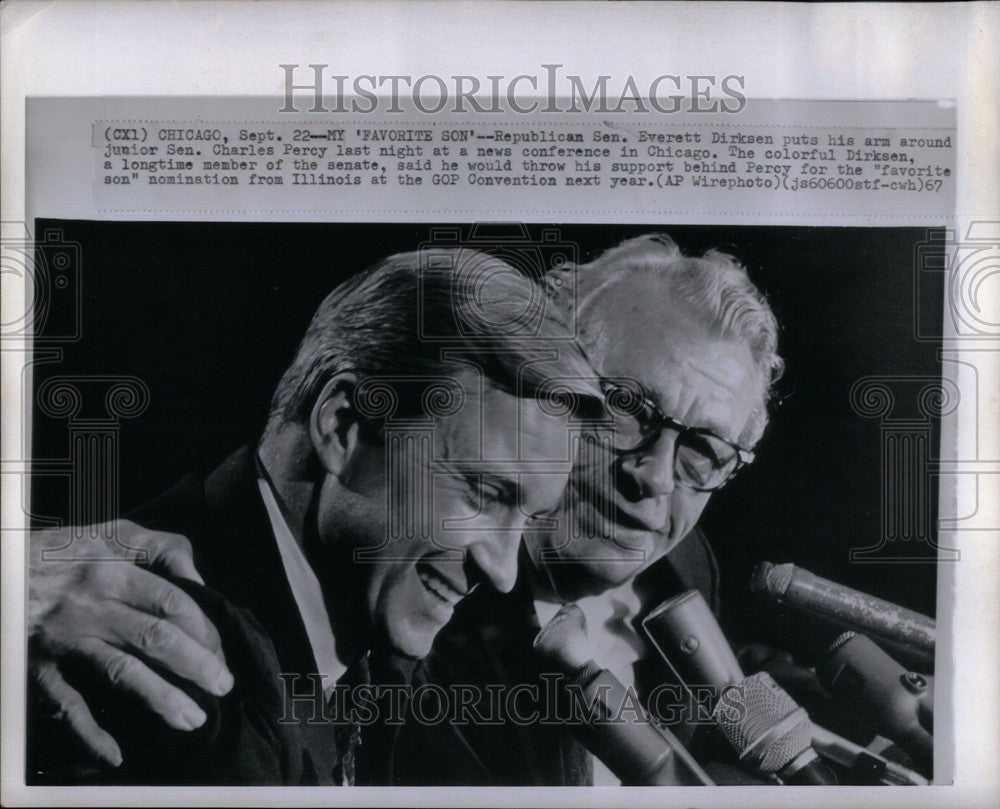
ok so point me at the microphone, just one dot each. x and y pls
(899, 702)
(638, 752)
(768, 730)
(687, 636)
(797, 587)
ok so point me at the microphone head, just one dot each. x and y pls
(563, 641)
(765, 726)
(772, 580)
(840, 640)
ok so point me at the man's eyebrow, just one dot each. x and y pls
(516, 493)
(469, 472)
(510, 484)
(716, 428)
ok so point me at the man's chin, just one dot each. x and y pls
(589, 576)
(410, 649)
(601, 567)
(412, 642)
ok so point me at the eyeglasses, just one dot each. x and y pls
(703, 461)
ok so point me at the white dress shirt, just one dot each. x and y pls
(307, 593)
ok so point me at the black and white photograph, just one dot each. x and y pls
(570, 404)
(497, 504)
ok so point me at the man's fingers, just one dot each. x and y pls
(161, 641)
(171, 551)
(147, 592)
(71, 709)
(127, 673)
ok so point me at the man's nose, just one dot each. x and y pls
(652, 469)
(495, 556)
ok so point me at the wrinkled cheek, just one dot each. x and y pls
(686, 507)
(594, 479)
(453, 519)
(593, 462)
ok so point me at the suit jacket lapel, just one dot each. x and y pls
(255, 578)
(246, 565)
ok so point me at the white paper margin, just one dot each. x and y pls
(823, 51)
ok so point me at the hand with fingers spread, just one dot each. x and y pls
(91, 605)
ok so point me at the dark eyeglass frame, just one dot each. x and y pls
(657, 421)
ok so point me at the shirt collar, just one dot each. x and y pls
(305, 589)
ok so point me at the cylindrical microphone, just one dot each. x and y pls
(685, 633)
(797, 587)
(638, 752)
(769, 731)
(900, 703)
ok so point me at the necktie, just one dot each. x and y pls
(347, 734)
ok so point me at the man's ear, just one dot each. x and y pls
(333, 423)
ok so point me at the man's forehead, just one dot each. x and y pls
(726, 375)
(691, 375)
(496, 426)
(714, 387)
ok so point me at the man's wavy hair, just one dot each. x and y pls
(417, 317)
(715, 289)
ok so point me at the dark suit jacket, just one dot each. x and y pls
(249, 599)
(489, 643)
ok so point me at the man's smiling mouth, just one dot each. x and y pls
(439, 586)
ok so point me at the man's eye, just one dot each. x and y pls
(542, 519)
(701, 446)
(695, 465)
(483, 496)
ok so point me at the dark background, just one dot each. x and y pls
(210, 314)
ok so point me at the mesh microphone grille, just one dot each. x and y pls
(772, 580)
(751, 710)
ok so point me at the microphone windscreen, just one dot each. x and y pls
(563, 641)
(763, 723)
(770, 579)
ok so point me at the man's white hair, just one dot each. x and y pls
(714, 289)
